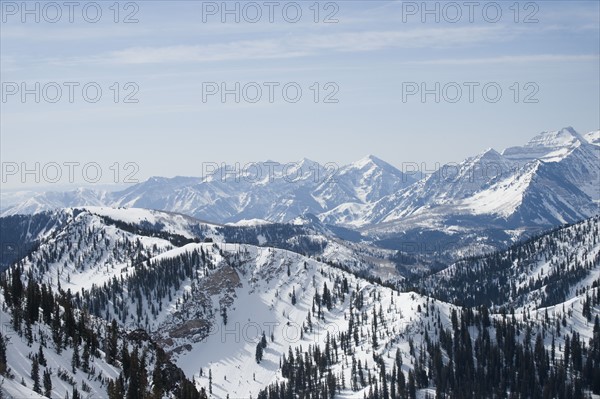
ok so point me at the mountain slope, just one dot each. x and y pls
(593, 137)
(361, 182)
(327, 331)
(205, 303)
(494, 198)
(576, 158)
(546, 270)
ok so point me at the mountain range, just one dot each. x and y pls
(491, 199)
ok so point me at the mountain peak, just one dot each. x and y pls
(372, 157)
(489, 153)
(593, 137)
(371, 160)
(305, 162)
(547, 145)
(555, 139)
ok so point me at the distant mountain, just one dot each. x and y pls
(266, 190)
(593, 137)
(553, 179)
(577, 160)
(50, 200)
(491, 198)
(546, 146)
(361, 182)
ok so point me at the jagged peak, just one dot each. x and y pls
(306, 161)
(547, 145)
(593, 137)
(488, 154)
(566, 136)
(371, 160)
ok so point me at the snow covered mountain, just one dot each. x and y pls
(593, 137)
(241, 320)
(22, 234)
(46, 201)
(264, 190)
(490, 199)
(362, 182)
(543, 271)
(577, 160)
(209, 301)
(553, 179)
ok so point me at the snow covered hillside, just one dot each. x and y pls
(543, 271)
(248, 321)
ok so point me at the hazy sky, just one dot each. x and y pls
(178, 56)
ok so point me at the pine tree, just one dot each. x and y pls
(47, 381)
(412, 392)
(393, 382)
(125, 360)
(224, 315)
(41, 357)
(142, 374)
(3, 364)
(85, 358)
(157, 380)
(35, 375)
(354, 375)
(112, 350)
(56, 329)
(259, 352)
(134, 390)
(326, 297)
(75, 358)
(263, 340)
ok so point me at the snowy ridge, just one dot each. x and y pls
(262, 301)
(593, 137)
(504, 197)
(547, 146)
(552, 268)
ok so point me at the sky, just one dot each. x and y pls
(115, 92)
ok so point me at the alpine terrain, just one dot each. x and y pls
(479, 280)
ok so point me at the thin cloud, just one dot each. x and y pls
(8, 63)
(511, 59)
(299, 46)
